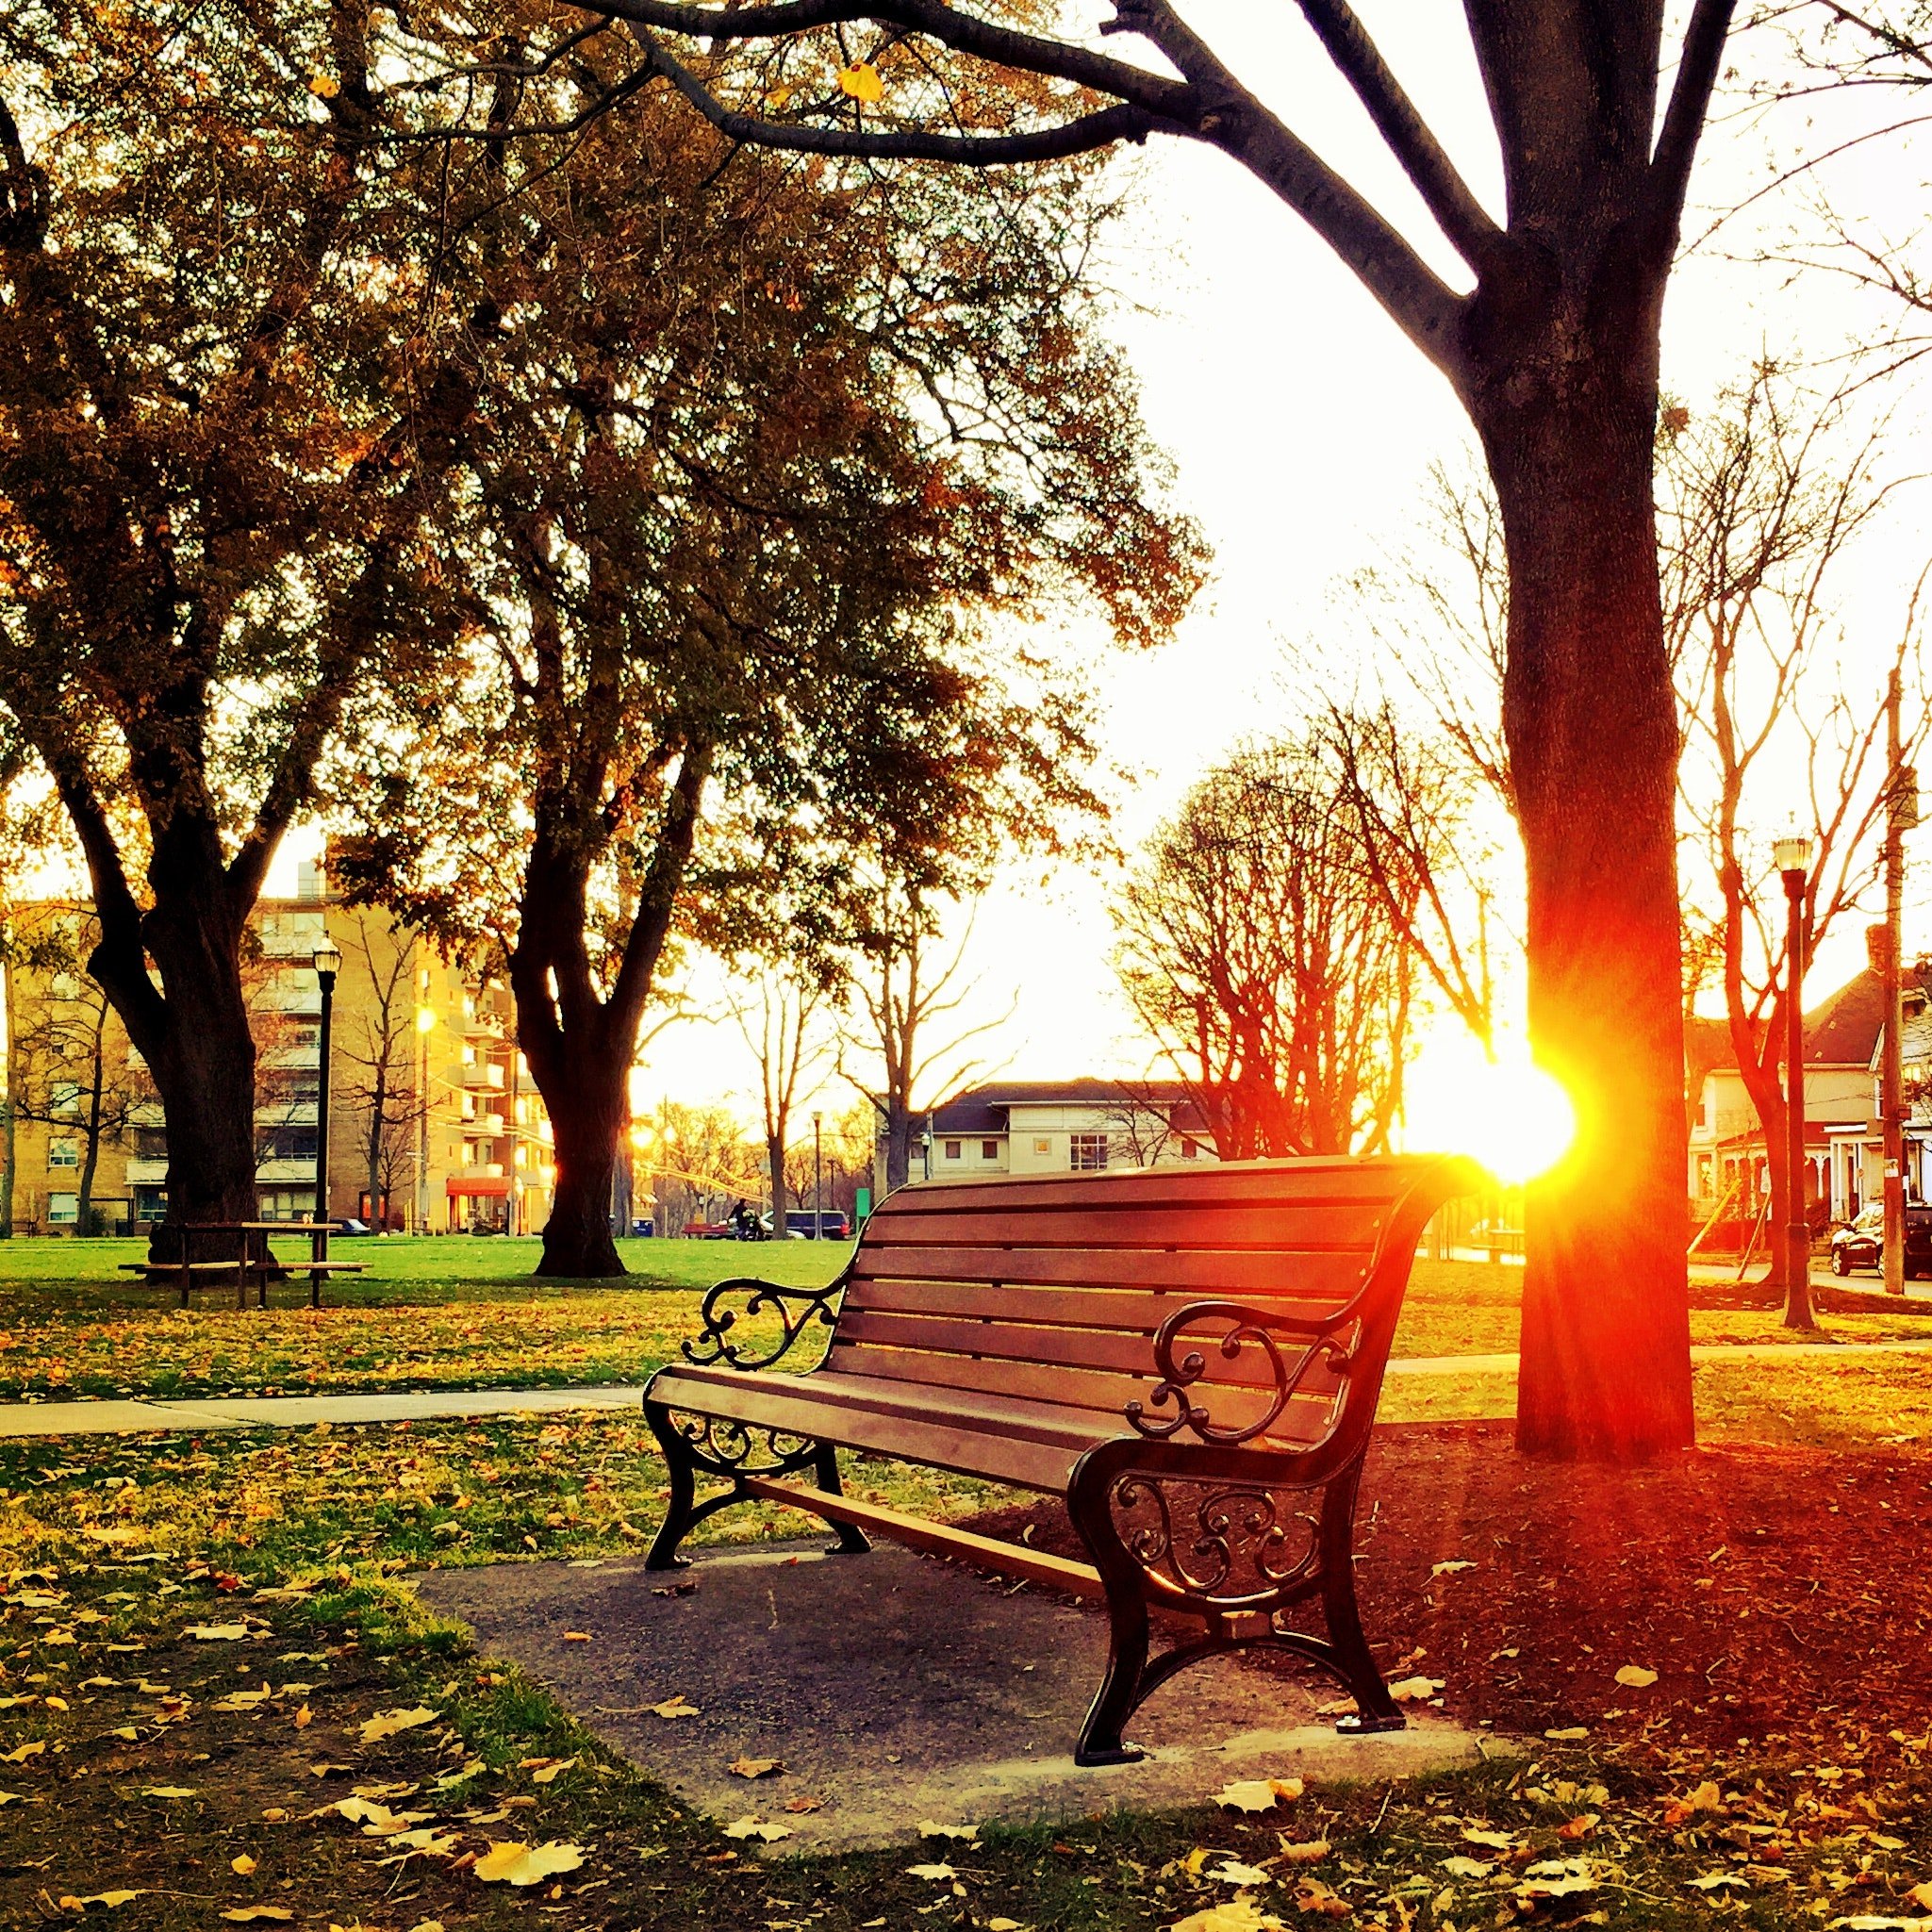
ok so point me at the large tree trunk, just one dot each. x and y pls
(193, 1033)
(587, 1115)
(899, 1142)
(1592, 734)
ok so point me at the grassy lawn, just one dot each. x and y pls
(458, 1312)
(206, 1775)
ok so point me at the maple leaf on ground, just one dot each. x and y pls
(675, 1707)
(385, 1724)
(755, 1767)
(1238, 1915)
(758, 1828)
(937, 1870)
(1259, 1794)
(509, 1862)
(69, 1903)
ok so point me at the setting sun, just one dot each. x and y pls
(1509, 1114)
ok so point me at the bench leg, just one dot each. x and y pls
(853, 1540)
(1124, 1684)
(679, 1513)
(1375, 1709)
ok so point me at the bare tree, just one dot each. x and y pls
(1261, 956)
(1761, 510)
(793, 1052)
(905, 989)
(379, 1047)
(70, 1070)
(1417, 845)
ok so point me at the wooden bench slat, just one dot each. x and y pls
(1082, 1288)
(1130, 1354)
(918, 1533)
(1033, 1452)
(1257, 1228)
(1105, 1394)
(1342, 1178)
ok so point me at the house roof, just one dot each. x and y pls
(986, 1109)
(1843, 1028)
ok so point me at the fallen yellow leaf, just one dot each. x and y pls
(755, 1767)
(508, 1863)
(243, 1866)
(1633, 1677)
(674, 1707)
(385, 1724)
(1259, 1794)
(71, 1904)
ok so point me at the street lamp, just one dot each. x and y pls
(328, 963)
(1793, 857)
(817, 1183)
(425, 1025)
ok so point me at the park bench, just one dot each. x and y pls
(216, 1251)
(1189, 1357)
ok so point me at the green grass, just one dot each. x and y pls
(457, 1312)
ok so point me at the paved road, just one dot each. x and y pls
(303, 1412)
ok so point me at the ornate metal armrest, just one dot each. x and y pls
(819, 1305)
(1308, 1341)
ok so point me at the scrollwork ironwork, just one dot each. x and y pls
(816, 1305)
(1245, 1543)
(735, 1448)
(1245, 1326)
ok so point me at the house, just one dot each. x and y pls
(1858, 1149)
(426, 1085)
(1059, 1126)
(1726, 1144)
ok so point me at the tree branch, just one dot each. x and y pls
(1096, 130)
(1697, 66)
(1461, 217)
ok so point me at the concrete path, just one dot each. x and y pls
(428, 1405)
(893, 1688)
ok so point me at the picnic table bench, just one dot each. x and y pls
(1190, 1358)
(249, 1259)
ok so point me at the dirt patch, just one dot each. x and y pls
(1778, 1594)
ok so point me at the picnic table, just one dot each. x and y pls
(249, 1259)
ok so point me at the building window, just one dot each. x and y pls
(64, 1210)
(1190, 1147)
(1042, 1145)
(952, 1151)
(150, 1143)
(989, 1151)
(63, 1096)
(1086, 1152)
(63, 1153)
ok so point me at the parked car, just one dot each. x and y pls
(835, 1224)
(352, 1225)
(1858, 1243)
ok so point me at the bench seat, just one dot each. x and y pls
(1189, 1358)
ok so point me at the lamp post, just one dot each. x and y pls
(1793, 857)
(328, 963)
(425, 1025)
(817, 1183)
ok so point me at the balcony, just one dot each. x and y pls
(285, 1173)
(484, 1073)
(147, 1173)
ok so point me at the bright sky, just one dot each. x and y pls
(1302, 426)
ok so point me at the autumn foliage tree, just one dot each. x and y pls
(227, 400)
(754, 451)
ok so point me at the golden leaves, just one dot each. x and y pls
(510, 1862)
(1259, 1794)
(385, 1724)
(861, 83)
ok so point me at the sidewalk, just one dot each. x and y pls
(428, 1405)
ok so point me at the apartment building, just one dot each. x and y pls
(433, 1125)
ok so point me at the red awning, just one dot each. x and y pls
(496, 1185)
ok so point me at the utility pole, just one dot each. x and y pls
(1901, 810)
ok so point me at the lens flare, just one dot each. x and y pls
(1511, 1115)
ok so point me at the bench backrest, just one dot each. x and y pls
(1052, 1287)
